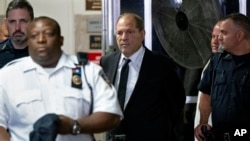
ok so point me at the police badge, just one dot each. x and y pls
(76, 81)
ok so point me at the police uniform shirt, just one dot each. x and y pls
(8, 53)
(37, 92)
(230, 99)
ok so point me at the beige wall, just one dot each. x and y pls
(2, 6)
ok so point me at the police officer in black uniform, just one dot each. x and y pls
(18, 15)
(225, 85)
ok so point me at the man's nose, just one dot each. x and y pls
(216, 39)
(124, 35)
(220, 37)
(18, 26)
(41, 38)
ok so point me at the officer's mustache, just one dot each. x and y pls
(18, 32)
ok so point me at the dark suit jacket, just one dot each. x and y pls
(157, 100)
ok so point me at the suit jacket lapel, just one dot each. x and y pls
(142, 76)
(114, 67)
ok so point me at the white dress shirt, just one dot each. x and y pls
(134, 69)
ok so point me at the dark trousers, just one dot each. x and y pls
(189, 114)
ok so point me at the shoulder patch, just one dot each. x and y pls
(4, 46)
(105, 78)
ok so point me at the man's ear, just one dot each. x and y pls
(241, 35)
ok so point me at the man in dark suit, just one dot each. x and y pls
(155, 97)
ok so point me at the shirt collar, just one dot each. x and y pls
(64, 61)
(136, 58)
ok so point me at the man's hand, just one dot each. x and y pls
(198, 131)
(4, 135)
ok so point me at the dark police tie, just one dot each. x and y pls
(123, 83)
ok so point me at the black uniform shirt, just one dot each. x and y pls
(230, 92)
(8, 53)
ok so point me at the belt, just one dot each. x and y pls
(116, 134)
(117, 137)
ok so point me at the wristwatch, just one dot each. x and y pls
(76, 129)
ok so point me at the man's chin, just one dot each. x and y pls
(41, 59)
(19, 39)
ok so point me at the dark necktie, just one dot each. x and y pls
(123, 83)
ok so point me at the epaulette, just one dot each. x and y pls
(3, 44)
